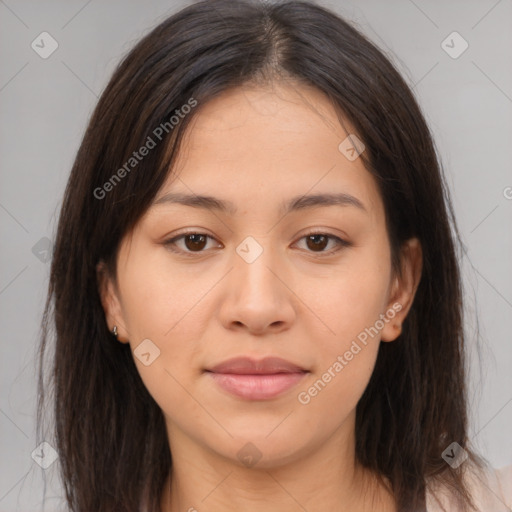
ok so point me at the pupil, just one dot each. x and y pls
(198, 241)
(314, 238)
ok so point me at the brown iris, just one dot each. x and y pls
(195, 242)
(318, 241)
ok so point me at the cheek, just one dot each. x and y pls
(330, 398)
(158, 301)
(165, 307)
(351, 304)
(161, 311)
(352, 298)
(345, 360)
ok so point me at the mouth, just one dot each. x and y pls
(252, 379)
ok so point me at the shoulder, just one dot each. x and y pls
(491, 489)
(504, 478)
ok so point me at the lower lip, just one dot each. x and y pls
(257, 387)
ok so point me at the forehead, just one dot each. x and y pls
(253, 145)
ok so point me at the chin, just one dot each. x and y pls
(262, 451)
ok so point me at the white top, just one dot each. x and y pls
(491, 491)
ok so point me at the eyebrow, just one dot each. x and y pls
(295, 204)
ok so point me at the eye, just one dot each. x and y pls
(317, 242)
(194, 242)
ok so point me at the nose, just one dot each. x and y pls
(258, 299)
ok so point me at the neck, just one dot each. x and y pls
(324, 478)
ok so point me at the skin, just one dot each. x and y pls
(256, 147)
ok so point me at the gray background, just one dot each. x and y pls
(45, 105)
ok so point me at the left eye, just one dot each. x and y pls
(321, 240)
(196, 242)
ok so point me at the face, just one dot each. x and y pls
(290, 260)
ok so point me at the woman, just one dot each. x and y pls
(255, 286)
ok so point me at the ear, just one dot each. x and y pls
(403, 289)
(110, 301)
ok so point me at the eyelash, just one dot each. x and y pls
(172, 242)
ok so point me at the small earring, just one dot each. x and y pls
(114, 331)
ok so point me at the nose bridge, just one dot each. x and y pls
(255, 258)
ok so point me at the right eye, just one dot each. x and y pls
(193, 242)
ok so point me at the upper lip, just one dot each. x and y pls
(250, 366)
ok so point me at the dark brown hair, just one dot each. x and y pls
(109, 432)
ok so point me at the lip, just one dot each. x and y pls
(249, 366)
(253, 379)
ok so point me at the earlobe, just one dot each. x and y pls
(111, 303)
(404, 289)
